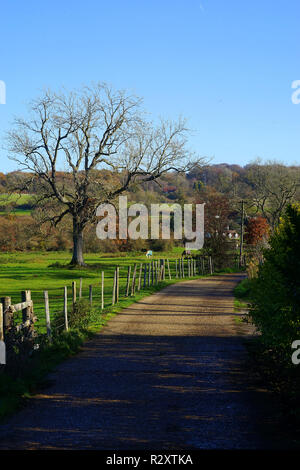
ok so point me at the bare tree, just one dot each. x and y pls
(274, 186)
(85, 132)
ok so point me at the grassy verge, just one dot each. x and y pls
(242, 294)
(15, 391)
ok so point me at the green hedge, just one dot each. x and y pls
(276, 292)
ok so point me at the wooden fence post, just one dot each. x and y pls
(152, 272)
(161, 270)
(161, 267)
(47, 311)
(182, 260)
(176, 268)
(26, 312)
(145, 274)
(169, 272)
(128, 281)
(133, 280)
(91, 294)
(210, 265)
(6, 302)
(117, 283)
(114, 289)
(149, 274)
(140, 277)
(156, 271)
(1, 323)
(74, 297)
(7, 315)
(66, 308)
(102, 290)
(80, 288)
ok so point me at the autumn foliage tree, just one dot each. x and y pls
(216, 220)
(257, 230)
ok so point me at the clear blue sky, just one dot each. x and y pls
(225, 65)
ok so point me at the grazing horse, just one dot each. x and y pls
(149, 253)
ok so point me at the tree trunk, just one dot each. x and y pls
(77, 244)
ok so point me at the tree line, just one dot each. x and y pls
(79, 149)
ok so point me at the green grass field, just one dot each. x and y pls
(14, 203)
(39, 271)
(17, 212)
(18, 199)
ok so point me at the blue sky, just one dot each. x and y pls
(227, 66)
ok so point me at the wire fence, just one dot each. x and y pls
(22, 323)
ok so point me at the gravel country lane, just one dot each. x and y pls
(167, 373)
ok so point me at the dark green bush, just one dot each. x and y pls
(275, 299)
(276, 290)
(160, 245)
(243, 289)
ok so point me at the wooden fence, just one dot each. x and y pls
(139, 276)
(7, 311)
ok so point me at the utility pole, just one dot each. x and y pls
(242, 233)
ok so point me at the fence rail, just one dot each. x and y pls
(138, 277)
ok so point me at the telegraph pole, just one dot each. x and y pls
(242, 233)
